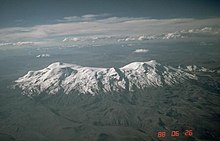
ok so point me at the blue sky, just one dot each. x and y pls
(58, 22)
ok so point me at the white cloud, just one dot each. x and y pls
(130, 39)
(206, 30)
(90, 39)
(141, 51)
(24, 43)
(75, 39)
(5, 44)
(43, 55)
(84, 18)
(149, 37)
(174, 35)
(142, 38)
(18, 44)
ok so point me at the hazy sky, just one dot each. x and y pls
(53, 22)
(33, 12)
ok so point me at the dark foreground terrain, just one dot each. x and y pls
(131, 116)
(123, 116)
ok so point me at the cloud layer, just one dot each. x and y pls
(93, 28)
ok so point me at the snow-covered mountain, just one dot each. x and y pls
(67, 78)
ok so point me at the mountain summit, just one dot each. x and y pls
(67, 78)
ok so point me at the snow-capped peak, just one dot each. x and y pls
(68, 78)
(137, 65)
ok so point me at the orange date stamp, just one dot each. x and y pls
(174, 133)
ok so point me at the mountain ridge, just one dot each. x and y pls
(71, 77)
